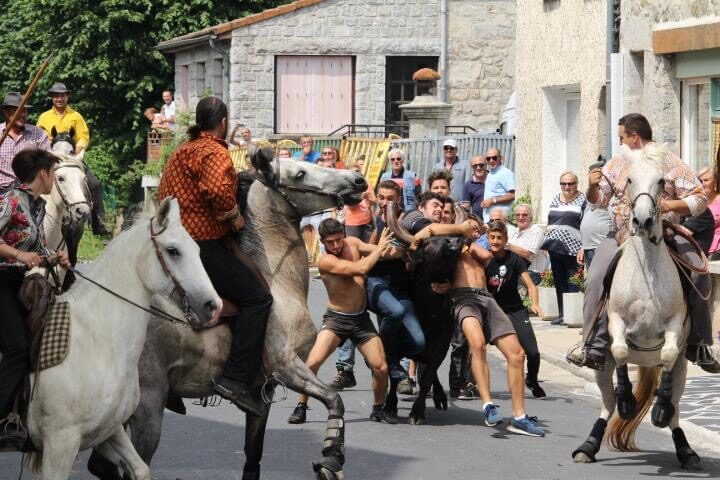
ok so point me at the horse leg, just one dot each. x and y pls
(119, 450)
(689, 460)
(586, 452)
(58, 456)
(439, 395)
(301, 379)
(391, 399)
(664, 410)
(425, 378)
(254, 442)
(626, 402)
(618, 348)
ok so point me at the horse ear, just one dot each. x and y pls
(72, 132)
(261, 159)
(163, 211)
(53, 132)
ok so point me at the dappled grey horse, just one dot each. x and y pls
(181, 361)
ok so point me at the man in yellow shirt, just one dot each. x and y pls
(62, 118)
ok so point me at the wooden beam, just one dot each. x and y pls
(686, 39)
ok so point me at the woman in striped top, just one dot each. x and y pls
(562, 239)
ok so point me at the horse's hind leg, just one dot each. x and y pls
(298, 376)
(254, 440)
(119, 450)
(58, 456)
(391, 399)
(586, 452)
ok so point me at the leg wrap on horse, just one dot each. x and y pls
(334, 443)
(329, 468)
(663, 410)
(626, 403)
(251, 472)
(439, 395)
(592, 444)
(685, 455)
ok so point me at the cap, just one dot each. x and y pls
(450, 142)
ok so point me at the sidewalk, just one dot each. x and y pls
(700, 404)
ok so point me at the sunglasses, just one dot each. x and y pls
(448, 148)
(398, 159)
(493, 158)
(568, 184)
(480, 166)
(328, 153)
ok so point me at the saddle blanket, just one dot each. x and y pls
(56, 336)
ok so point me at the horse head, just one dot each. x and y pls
(63, 142)
(70, 194)
(307, 187)
(645, 183)
(168, 264)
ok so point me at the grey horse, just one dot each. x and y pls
(179, 361)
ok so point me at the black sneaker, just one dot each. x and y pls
(470, 392)
(454, 392)
(379, 414)
(343, 379)
(535, 388)
(299, 415)
(704, 356)
(238, 393)
(12, 437)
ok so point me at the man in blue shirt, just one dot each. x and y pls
(460, 169)
(406, 179)
(499, 186)
(307, 153)
(474, 189)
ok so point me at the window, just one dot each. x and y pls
(200, 79)
(218, 77)
(696, 135)
(313, 94)
(184, 83)
(399, 85)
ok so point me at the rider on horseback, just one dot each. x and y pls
(682, 196)
(201, 176)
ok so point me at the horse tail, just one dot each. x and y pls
(34, 462)
(621, 433)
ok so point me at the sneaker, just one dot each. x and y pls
(454, 392)
(470, 392)
(536, 389)
(558, 321)
(526, 426)
(405, 387)
(379, 414)
(492, 415)
(238, 393)
(343, 379)
(299, 415)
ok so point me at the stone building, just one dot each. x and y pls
(315, 65)
(665, 64)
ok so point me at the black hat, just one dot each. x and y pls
(58, 88)
(13, 100)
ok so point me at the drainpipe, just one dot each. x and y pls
(442, 87)
(610, 47)
(226, 61)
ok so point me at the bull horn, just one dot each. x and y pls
(460, 214)
(392, 222)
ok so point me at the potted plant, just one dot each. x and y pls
(546, 295)
(573, 301)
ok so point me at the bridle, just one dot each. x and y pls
(654, 210)
(86, 191)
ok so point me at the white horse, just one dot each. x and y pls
(648, 322)
(84, 401)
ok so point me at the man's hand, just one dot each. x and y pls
(488, 202)
(306, 150)
(385, 238)
(535, 308)
(580, 257)
(468, 226)
(594, 177)
(238, 223)
(441, 288)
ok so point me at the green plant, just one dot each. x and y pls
(578, 279)
(90, 246)
(547, 279)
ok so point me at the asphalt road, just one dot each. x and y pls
(207, 444)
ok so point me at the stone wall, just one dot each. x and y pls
(481, 61)
(208, 79)
(560, 49)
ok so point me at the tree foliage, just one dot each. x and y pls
(105, 54)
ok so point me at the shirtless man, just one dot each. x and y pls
(343, 268)
(482, 320)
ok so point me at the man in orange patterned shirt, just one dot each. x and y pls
(200, 175)
(682, 196)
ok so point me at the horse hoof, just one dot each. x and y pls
(662, 413)
(627, 407)
(416, 420)
(582, 457)
(585, 453)
(329, 468)
(692, 462)
(441, 402)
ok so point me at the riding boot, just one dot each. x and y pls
(97, 215)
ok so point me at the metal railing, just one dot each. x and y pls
(422, 155)
(372, 130)
(459, 130)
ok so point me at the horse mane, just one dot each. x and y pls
(245, 180)
(653, 153)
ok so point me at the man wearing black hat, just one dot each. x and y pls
(20, 137)
(62, 118)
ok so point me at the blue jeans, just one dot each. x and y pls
(400, 329)
(345, 356)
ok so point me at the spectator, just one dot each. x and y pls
(500, 215)
(168, 110)
(406, 179)
(562, 238)
(594, 228)
(246, 136)
(330, 156)
(307, 154)
(155, 118)
(500, 184)
(358, 218)
(710, 187)
(459, 169)
(439, 182)
(284, 153)
(448, 214)
(474, 189)
(526, 241)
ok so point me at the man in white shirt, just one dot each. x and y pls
(168, 109)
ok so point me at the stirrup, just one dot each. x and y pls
(578, 355)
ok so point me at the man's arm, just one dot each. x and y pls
(346, 268)
(464, 229)
(82, 134)
(218, 184)
(479, 253)
(533, 293)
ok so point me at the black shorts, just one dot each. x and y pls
(356, 326)
(480, 304)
